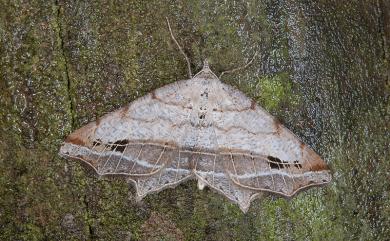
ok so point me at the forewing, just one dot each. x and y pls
(261, 154)
(139, 140)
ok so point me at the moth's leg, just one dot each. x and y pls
(239, 68)
(181, 50)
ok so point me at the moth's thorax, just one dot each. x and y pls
(205, 94)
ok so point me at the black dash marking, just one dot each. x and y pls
(297, 165)
(119, 145)
(98, 142)
(95, 143)
(276, 163)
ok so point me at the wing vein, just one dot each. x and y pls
(135, 160)
(215, 157)
(120, 159)
(177, 167)
(109, 157)
(158, 160)
(234, 167)
(272, 176)
(254, 168)
(100, 154)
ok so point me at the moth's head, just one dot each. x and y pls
(206, 72)
(206, 64)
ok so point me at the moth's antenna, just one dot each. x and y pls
(181, 50)
(239, 68)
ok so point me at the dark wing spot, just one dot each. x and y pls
(153, 95)
(119, 145)
(278, 126)
(253, 105)
(297, 165)
(205, 94)
(276, 163)
(96, 143)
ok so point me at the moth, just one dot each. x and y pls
(202, 129)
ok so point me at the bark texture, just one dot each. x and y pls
(323, 70)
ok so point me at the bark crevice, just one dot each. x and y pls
(65, 61)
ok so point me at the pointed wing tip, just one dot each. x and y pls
(75, 139)
(313, 161)
(81, 135)
(321, 178)
(318, 166)
(62, 152)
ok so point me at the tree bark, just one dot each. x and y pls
(322, 69)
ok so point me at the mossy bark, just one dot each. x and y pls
(322, 69)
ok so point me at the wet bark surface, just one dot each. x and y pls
(322, 69)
